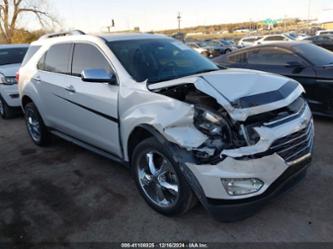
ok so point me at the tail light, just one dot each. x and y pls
(17, 76)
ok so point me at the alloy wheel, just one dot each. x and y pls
(33, 124)
(158, 179)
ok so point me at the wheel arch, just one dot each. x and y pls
(26, 100)
(139, 134)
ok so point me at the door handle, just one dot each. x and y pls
(70, 89)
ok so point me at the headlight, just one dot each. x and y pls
(208, 122)
(2, 79)
(217, 129)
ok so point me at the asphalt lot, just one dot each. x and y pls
(65, 193)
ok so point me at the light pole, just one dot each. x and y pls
(179, 17)
(309, 13)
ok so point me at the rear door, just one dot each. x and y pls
(92, 108)
(325, 42)
(324, 89)
(51, 81)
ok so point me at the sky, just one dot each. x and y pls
(152, 15)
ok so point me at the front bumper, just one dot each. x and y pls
(229, 211)
(278, 160)
(10, 94)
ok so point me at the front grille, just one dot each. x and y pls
(276, 117)
(11, 80)
(295, 146)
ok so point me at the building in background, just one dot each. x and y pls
(327, 25)
(326, 17)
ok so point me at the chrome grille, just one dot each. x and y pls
(295, 146)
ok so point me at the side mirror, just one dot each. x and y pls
(294, 64)
(98, 76)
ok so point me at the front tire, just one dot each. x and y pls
(159, 179)
(35, 125)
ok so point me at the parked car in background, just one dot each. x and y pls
(229, 45)
(307, 63)
(248, 41)
(230, 42)
(293, 35)
(325, 41)
(267, 39)
(213, 48)
(197, 48)
(231, 138)
(325, 32)
(301, 37)
(223, 47)
(11, 57)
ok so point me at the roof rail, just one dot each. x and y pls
(59, 34)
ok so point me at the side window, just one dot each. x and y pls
(57, 59)
(272, 57)
(41, 63)
(87, 56)
(239, 58)
(31, 52)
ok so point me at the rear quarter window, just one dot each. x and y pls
(238, 58)
(30, 53)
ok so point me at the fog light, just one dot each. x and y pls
(236, 187)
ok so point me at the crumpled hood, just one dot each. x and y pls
(234, 84)
(242, 92)
(9, 70)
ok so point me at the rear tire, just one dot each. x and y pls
(6, 111)
(36, 128)
(160, 182)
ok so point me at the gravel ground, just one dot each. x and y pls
(65, 193)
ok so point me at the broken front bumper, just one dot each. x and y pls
(279, 159)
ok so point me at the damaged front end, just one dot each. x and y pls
(218, 132)
(231, 123)
(253, 143)
(249, 140)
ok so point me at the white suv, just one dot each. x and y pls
(188, 130)
(268, 39)
(11, 57)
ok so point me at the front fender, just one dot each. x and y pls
(171, 118)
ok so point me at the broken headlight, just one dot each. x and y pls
(218, 131)
(208, 122)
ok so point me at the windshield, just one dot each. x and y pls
(290, 36)
(227, 43)
(315, 54)
(157, 60)
(213, 43)
(12, 55)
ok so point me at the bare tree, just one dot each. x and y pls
(11, 11)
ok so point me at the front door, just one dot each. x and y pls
(92, 107)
